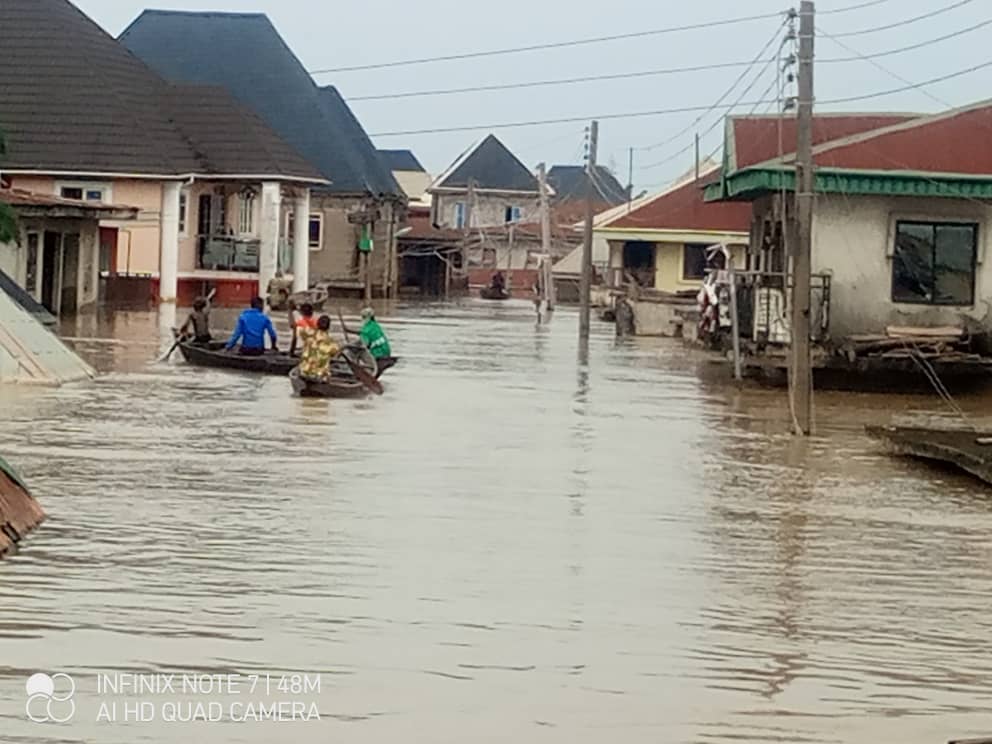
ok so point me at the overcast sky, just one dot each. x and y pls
(337, 34)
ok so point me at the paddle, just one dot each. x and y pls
(361, 374)
(180, 337)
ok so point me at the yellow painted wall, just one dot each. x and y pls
(669, 266)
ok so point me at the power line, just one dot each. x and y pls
(664, 112)
(908, 21)
(727, 93)
(880, 66)
(849, 8)
(658, 72)
(553, 45)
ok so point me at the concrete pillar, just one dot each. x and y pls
(168, 257)
(301, 241)
(268, 254)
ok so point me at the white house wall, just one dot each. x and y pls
(853, 240)
(488, 210)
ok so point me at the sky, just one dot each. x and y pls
(340, 34)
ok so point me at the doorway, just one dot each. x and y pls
(51, 263)
(639, 262)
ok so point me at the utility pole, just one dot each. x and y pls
(585, 284)
(545, 267)
(469, 209)
(630, 181)
(802, 372)
(697, 156)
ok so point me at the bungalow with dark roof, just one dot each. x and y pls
(244, 53)
(902, 217)
(88, 121)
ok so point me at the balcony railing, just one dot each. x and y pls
(228, 253)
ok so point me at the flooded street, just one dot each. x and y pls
(506, 546)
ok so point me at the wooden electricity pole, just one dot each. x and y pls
(585, 283)
(802, 372)
(545, 281)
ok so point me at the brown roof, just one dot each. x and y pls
(755, 139)
(229, 138)
(954, 142)
(24, 198)
(421, 229)
(683, 208)
(21, 199)
(74, 100)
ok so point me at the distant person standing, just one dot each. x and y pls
(252, 327)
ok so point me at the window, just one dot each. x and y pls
(694, 261)
(72, 192)
(934, 263)
(512, 214)
(316, 231)
(94, 195)
(460, 212)
(183, 210)
(246, 216)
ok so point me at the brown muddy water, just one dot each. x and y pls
(506, 546)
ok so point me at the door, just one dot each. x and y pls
(69, 274)
(108, 250)
(204, 226)
(51, 265)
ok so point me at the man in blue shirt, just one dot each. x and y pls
(251, 329)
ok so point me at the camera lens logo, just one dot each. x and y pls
(50, 698)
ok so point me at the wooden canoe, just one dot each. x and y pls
(336, 387)
(19, 512)
(490, 293)
(215, 355)
(966, 450)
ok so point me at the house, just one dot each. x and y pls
(55, 263)
(244, 53)
(412, 177)
(487, 186)
(484, 192)
(659, 249)
(902, 216)
(570, 186)
(87, 121)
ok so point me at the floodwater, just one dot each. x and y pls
(507, 546)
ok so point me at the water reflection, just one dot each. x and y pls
(519, 540)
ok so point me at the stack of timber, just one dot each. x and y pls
(966, 450)
(943, 344)
(19, 512)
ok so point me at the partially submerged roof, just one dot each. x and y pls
(492, 167)
(681, 208)
(569, 183)
(74, 100)
(19, 295)
(401, 160)
(939, 155)
(244, 53)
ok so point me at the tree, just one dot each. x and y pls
(8, 220)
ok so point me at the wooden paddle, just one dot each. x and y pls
(361, 374)
(179, 337)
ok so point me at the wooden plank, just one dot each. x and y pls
(924, 332)
(19, 512)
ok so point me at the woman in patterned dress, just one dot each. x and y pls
(318, 351)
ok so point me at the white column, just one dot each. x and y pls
(268, 254)
(301, 241)
(168, 256)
